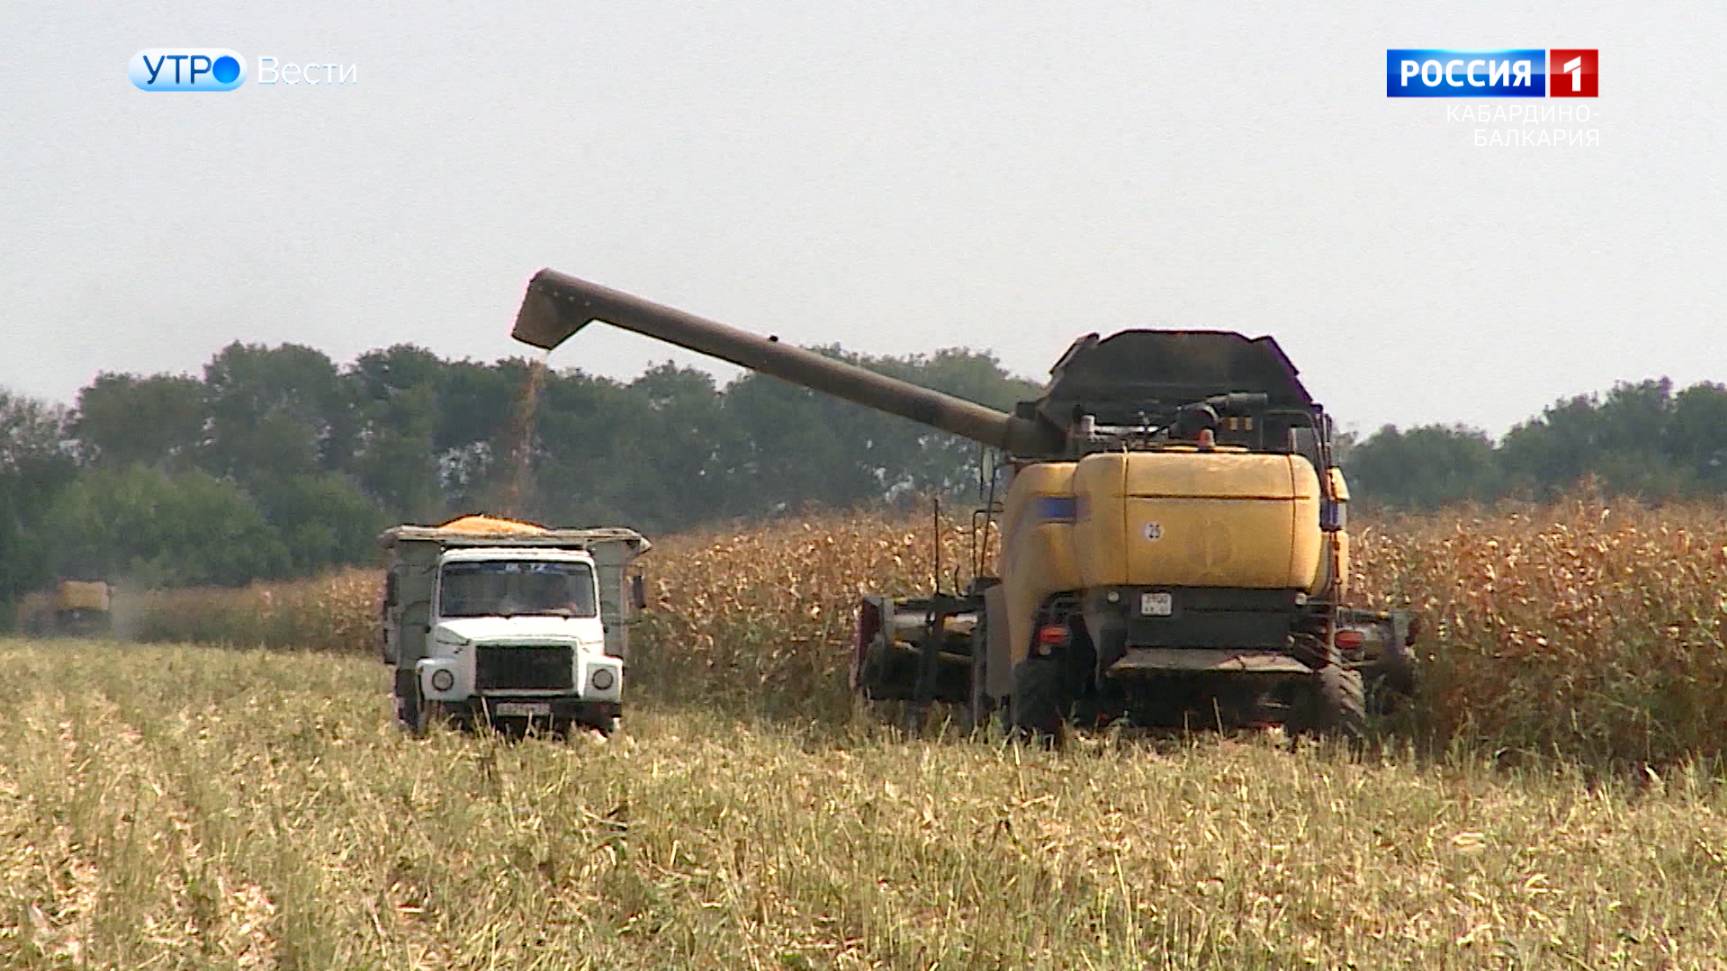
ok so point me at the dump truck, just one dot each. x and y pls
(1163, 538)
(73, 607)
(510, 624)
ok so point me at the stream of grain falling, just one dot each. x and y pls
(518, 490)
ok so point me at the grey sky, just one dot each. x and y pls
(893, 177)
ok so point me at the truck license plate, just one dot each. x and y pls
(506, 709)
(1156, 604)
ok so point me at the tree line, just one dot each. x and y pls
(1639, 439)
(276, 461)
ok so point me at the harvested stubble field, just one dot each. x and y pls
(1554, 800)
(165, 806)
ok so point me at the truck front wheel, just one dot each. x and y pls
(570, 729)
(420, 714)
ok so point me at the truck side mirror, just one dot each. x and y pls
(638, 592)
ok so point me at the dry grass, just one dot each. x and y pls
(188, 807)
(1585, 629)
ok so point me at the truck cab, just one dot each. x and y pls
(516, 628)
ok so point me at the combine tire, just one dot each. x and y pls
(1391, 680)
(1035, 709)
(980, 706)
(870, 668)
(1335, 705)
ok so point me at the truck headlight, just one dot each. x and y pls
(443, 680)
(603, 679)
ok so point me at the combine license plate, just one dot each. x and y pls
(1156, 604)
(507, 709)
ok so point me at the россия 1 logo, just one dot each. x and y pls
(1520, 73)
(186, 69)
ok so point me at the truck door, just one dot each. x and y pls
(609, 573)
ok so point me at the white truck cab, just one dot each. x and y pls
(509, 628)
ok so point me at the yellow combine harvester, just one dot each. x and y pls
(81, 607)
(1172, 534)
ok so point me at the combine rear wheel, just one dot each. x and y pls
(1333, 704)
(1036, 709)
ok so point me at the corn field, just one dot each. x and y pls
(339, 611)
(1587, 628)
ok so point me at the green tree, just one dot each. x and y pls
(797, 445)
(124, 419)
(276, 412)
(1696, 438)
(675, 422)
(322, 519)
(1619, 439)
(36, 465)
(1427, 466)
(396, 393)
(156, 528)
(941, 462)
(594, 445)
(474, 413)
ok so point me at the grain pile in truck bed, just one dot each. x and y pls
(481, 525)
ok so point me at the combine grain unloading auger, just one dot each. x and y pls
(1172, 533)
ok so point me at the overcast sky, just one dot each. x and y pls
(891, 177)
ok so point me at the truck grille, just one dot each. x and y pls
(524, 669)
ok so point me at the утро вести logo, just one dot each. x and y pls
(186, 69)
(1519, 73)
(219, 69)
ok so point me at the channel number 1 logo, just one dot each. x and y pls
(1573, 74)
(186, 69)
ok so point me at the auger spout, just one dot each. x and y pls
(557, 305)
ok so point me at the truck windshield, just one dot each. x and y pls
(513, 588)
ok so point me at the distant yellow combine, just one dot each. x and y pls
(71, 607)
